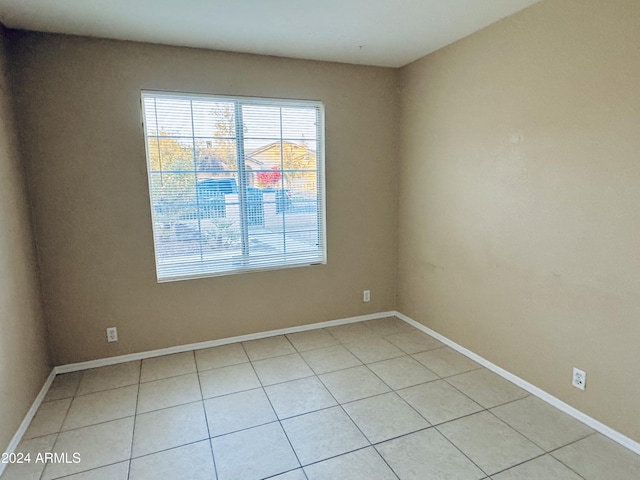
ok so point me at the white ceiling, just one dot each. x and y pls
(371, 32)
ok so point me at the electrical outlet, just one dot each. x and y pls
(366, 295)
(579, 378)
(112, 334)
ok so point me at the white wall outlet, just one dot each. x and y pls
(579, 378)
(366, 296)
(112, 334)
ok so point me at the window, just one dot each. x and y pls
(236, 184)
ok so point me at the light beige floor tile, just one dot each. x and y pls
(384, 417)
(330, 359)
(544, 425)
(225, 380)
(296, 474)
(48, 418)
(596, 457)
(323, 434)
(256, 453)
(353, 384)
(541, 468)
(118, 471)
(299, 396)
(221, 356)
(487, 388)
(111, 376)
(388, 326)
(402, 372)
(169, 392)
(101, 407)
(169, 428)
(238, 411)
(445, 361)
(439, 402)
(374, 350)
(64, 385)
(312, 339)
(191, 462)
(414, 342)
(268, 347)
(167, 366)
(351, 332)
(427, 455)
(358, 465)
(281, 369)
(98, 446)
(489, 442)
(32, 469)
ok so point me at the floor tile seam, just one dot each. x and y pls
(202, 370)
(281, 355)
(467, 395)
(410, 386)
(147, 382)
(353, 451)
(164, 450)
(332, 457)
(338, 370)
(181, 403)
(463, 453)
(53, 446)
(399, 396)
(105, 390)
(47, 463)
(376, 361)
(274, 412)
(213, 454)
(339, 405)
(522, 433)
(99, 423)
(206, 418)
(135, 418)
(390, 439)
(524, 462)
(284, 473)
(405, 355)
(92, 469)
(52, 388)
(551, 453)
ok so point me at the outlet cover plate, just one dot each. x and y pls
(579, 378)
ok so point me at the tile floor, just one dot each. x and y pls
(371, 400)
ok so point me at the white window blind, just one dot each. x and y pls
(236, 184)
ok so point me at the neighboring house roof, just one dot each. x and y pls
(270, 154)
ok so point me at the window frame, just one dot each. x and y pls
(320, 172)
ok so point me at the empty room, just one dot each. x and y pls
(341, 240)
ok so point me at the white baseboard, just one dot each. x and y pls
(73, 367)
(538, 392)
(13, 444)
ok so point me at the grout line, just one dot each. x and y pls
(58, 433)
(274, 410)
(356, 425)
(460, 450)
(90, 470)
(135, 418)
(206, 418)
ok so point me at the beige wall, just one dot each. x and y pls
(79, 104)
(519, 218)
(24, 358)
